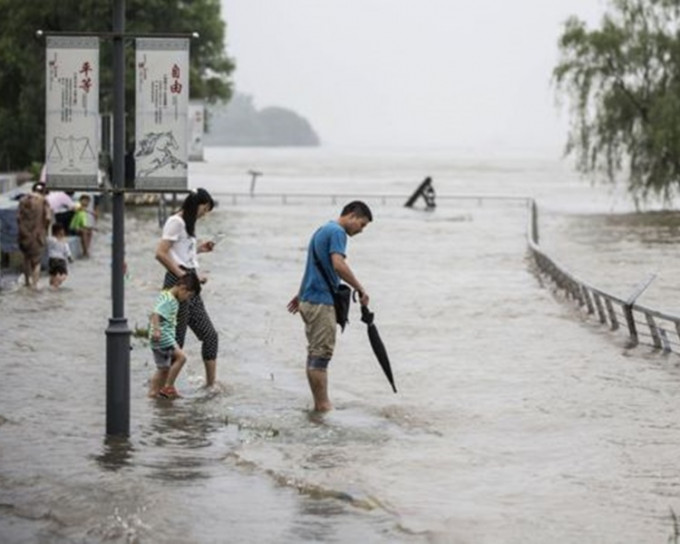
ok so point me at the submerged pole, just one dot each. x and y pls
(118, 333)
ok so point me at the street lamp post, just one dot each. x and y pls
(118, 332)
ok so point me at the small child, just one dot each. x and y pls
(168, 356)
(58, 255)
(81, 225)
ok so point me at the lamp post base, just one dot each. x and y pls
(118, 377)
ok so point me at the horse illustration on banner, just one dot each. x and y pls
(157, 150)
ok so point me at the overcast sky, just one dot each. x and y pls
(470, 73)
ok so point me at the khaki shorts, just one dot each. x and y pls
(320, 329)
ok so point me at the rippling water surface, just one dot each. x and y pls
(517, 420)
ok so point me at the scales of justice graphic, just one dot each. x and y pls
(68, 153)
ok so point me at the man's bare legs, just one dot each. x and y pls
(26, 267)
(36, 275)
(318, 383)
(31, 273)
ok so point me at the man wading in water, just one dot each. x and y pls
(314, 300)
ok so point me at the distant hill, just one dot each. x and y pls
(239, 123)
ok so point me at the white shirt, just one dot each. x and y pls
(183, 248)
(58, 249)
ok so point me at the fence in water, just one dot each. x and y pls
(643, 325)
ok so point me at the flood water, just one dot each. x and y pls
(517, 420)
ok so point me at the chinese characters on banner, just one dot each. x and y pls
(195, 129)
(162, 100)
(72, 112)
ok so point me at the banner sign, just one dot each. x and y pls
(196, 125)
(72, 112)
(162, 101)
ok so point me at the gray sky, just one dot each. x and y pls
(463, 73)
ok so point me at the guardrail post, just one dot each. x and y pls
(632, 331)
(628, 308)
(560, 279)
(664, 340)
(578, 293)
(653, 330)
(162, 210)
(534, 222)
(575, 292)
(586, 297)
(612, 315)
(600, 308)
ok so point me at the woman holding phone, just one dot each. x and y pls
(177, 251)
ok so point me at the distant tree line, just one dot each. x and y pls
(622, 81)
(22, 60)
(240, 123)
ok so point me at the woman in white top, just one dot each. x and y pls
(177, 252)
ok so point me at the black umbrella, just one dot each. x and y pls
(377, 345)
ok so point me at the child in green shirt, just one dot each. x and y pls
(168, 356)
(81, 224)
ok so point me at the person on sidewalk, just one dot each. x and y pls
(314, 300)
(167, 354)
(33, 221)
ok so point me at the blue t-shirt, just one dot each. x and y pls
(330, 238)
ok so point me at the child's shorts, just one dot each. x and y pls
(163, 356)
(57, 266)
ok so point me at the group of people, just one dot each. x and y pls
(180, 305)
(44, 218)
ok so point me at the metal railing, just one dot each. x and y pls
(335, 198)
(644, 325)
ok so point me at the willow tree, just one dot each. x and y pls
(22, 59)
(623, 85)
